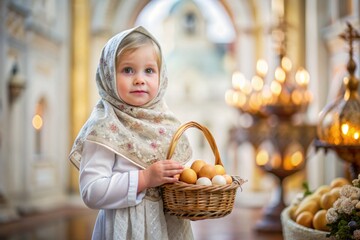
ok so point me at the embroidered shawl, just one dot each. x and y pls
(139, 134)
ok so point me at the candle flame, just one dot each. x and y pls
(280, 74)
(275, 87)
(286, 64)
(262, 67)
(302, 77)
(37, 122)
(345, 128)
(262, 158)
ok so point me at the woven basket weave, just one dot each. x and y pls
(294, 231)
(196, 202)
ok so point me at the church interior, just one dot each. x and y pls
(275, 82)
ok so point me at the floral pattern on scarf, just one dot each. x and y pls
(139, 134)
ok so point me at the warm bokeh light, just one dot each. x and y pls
(262, 158)
(346, 133)
(238, 81)
(280, 74)
(266, 93)
(350, 133)
(296, 158)
(284, 98)
(286, 64)
(255, 101)
(239, 99)
(356, 135)
(293, 160)
(275, 87)
(345, 128)
(302, 77)
(257, 83)
(37, 122)
(296, 96)
(256, 96)
(262, 67)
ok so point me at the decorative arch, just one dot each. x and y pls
(113, 15)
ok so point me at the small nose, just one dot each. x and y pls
(139, 79)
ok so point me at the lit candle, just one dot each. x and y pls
(280, 74)
(262, 158)
(302, 77)
(349, 133)
(37, 123)
(286, 64)
(261, 67)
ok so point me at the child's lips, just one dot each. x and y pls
(138, 91)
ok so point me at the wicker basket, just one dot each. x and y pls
(294, 231)
(196, 202)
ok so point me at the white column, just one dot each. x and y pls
(315, 169)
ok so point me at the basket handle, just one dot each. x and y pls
(206, 133)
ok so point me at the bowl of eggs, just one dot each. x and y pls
(305, 217)
(204, 190)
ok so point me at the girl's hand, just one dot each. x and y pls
(159, 173)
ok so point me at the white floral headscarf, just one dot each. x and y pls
(140, 134)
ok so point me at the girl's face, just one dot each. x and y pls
(137, 75)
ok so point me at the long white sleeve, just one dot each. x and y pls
(107, 181)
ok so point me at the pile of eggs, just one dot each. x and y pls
(310, 211)
(202, 173)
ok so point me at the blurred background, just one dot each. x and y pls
(49, 51)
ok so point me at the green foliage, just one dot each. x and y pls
(340, 229)
(306, 189)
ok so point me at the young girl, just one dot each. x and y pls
(121, 150)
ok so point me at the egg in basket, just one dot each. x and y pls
(204, 191)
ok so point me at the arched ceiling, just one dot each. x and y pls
(112, 16)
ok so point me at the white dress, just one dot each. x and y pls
(109, 183)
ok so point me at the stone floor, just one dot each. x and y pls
(76, 223)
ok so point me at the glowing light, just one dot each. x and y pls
(296, 96)
(239, 99)
(237, 80)
(37, 122)
(262, 158)
(284, 98)
(255, 101)
(345, 128)
(286, 64)
(296, 158)
(275, 87)
(266, 92)
(356, 135)
(262, 67)
(302, 77)
(280, 74)
(257, 83)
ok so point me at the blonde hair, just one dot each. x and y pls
(135, 40)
